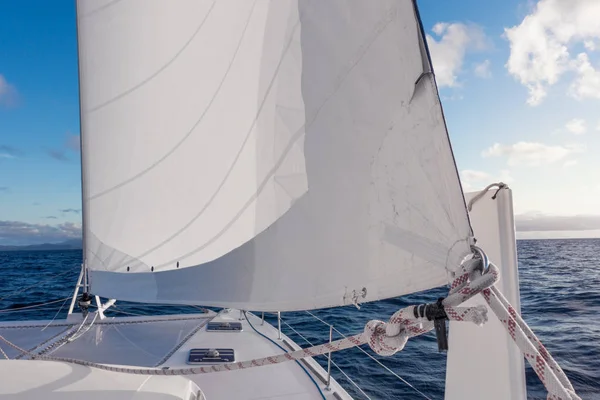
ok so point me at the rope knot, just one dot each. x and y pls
(388, 338)
(380, 341)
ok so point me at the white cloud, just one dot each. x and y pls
(589, 45)
(19, 233)
(8, 93)
(535, 221)
(569, 163)
(482, 69)
(539, 46)
(477, 180)
(505, 176)
(587, 83)
(471, 175)
(576, 126)
(533, 154)
(448, 52)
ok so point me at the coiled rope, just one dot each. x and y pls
(387, 338)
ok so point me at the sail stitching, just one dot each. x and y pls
(101, 8)
(191, 131)
(379, 29)
(161, 69)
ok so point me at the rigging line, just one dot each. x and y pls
(193, 128)
(333, 362)
(53, 277)
(33, 306)
(56, 315)
(482, 193)
(3, 353)
(361, 52)
(127, 312)
(373, 358)
(157, 72)
(67, 338)
(285, 351)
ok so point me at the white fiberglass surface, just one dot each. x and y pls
(144, 344)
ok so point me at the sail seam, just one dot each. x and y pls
(192, 130)
(362, 51)
(160, 70)
(229, 171)
(101, 8)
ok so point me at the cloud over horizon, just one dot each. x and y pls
(532, 153)
(539, 222)
(16, 233)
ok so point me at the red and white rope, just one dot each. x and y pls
(547, 369)
(387, 338)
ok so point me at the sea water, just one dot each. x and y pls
(560, 300)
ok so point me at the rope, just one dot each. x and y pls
(55, 315)
(285, 351)
(544, 365)
(4, 354)
(388, 338)
(547, 369)
(372, 358)
(479, 195)
(332, 362)
(383, 338)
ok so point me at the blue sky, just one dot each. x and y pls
(521, 106)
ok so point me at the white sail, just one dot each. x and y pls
(265, 155)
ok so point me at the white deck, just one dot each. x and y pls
(162, 341)
(51, 380)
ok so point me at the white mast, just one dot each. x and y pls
(84, 188)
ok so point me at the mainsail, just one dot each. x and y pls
(264, 155)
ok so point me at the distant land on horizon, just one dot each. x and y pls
(77, 244)
(72, 244)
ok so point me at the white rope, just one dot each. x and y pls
(383, 338)
(373, 358)
(76, 336)
(389, 338)
(546, 368)
(56, 315)
(333, 362)
(3, 353)
(552, 376)
(479, 195)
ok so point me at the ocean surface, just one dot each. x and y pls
(560, 300)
